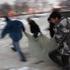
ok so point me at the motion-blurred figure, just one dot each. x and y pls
(14, 29)
(61, 34)
(34, 28)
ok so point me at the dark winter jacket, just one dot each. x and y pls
(34, 28)
(14, 29)
(62, 35)
(51, 29)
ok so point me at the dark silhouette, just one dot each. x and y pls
(51, 28)
(34, 28)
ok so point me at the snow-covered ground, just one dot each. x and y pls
(35, 50)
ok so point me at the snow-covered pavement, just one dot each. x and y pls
(9, 60)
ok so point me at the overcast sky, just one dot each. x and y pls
(7, 1)
(13, 1)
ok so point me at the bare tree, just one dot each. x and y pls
(5, 8)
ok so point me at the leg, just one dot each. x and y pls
(65, 60)
(54, 56)
(18, 49)
(35, 35)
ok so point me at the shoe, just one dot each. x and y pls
(14, 49)
(23, 60)
(38, 62)
(67, 68)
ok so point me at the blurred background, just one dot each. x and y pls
(17, 7)
(39, 11)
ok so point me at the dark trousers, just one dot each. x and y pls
(63, 61)
(35, 35)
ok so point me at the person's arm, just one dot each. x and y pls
(23, 28)
(4, 32)
(61, 35)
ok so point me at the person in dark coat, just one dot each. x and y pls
(14, 28)
(34, 28)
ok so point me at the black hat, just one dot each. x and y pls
(55, 14)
